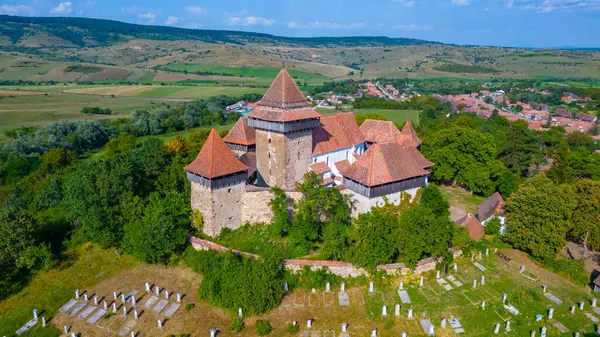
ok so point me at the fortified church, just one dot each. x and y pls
(284, 138)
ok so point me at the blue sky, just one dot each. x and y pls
(521, 23)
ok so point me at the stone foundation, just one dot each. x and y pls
(220, 208)
(362, 204)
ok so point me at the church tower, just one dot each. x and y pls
(284, 121)
(218, 182)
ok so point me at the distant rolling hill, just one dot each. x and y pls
(85, 32)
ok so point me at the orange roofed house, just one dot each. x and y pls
(281, 140)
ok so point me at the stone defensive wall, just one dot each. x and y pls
(343, 269)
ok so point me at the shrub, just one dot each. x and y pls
(189, 306)
(292, 328)
(492, 227)
(236, 325)
(263, 327)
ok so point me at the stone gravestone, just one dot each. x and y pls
(104, 305)
(507, 328)
(240, 313)
(148, 289)
(85, 297)
(345, 327)
(124, 311)
(497, 328)
(581, 305)
(123, 299)
(443, 323)
(374, 333)
(572, 310)
(474, 284)
(35, 314)
(437, 275)
(421, 282)
(213, 332)
(343, 288)
(159, 323)
(532, 333)
(95, 300)
(487, 252)
(550, 313)
(327, 287)
(114, 305)
(286, 288)
(178, 298)
(543, 332)
(44, 322)
(401, 285)
(66, 329)
(166, 295)
(544, 288)
(410, 313)
(309, 323)
(384, 311)
(455, 266)
(157, 290)
(504, 296)
(135, 314)
(76, 293)
(133, 301)
(593, 302)
(397, 310)
(114, 295)
(371, 287)
(482, 280)
(404, 334)
(483, 305)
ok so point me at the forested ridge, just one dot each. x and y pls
(87, 32)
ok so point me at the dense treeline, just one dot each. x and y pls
(82, 31)
(58, 191)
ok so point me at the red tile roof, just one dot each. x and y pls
(319, 168)
(338, 131)
(470, 222)
(408, 136)
(491, 206)
(215, 159)
(342, 165)
(387, 162)
(241, 133)
(249, 159)
(284, 93)
(283, 102)
(376, 131)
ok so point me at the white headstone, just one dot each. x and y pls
(374, 333)
(482, 280)
(483, 305)
(178, 298)
(544, 287)
(327, 287)
(114, 295)
(443, 323)
(421, 282)
(384, 311)
(472, 257)
(294, 323)
(148, 289)
(437, 274)
(85, 297)
(474, 284)
(480, 255)
(157, 290)
(135, 314)
(397, 310)
(522, 270)
(132, 334)
(401, 285)
(455, 266)
(309, 323)
(507, 328)
(344, 327)
(104, 305)
(543, 333)
(593, 302)
(504, 296)
(286, 288)
(213, 332)
(123, 298)
(497, 328)
(133, 300)
(76, 293)
(66, 328)
(487, 252)
(43, 321)
(73, 334)
(314, 290)
(343, 289)
(577, 334)
(431, 330)
(410, 313)
(95, 300)
(532, 333)
(550, 313)
(124, 311)
(35, 314)
(240, 313)
(114, 307)
(371, 287)
(404, 334)
(159, 323)
(572, 310)
(581, 305)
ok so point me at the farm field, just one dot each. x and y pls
(397, 116)
(100, 272)
(36, 110)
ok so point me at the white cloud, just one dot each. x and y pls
(171, 20)
(147, 17)
(325, 25)
(547, 6)
(510, 3)
(63, 8)
(16, 10)
(460, 2)
(195, 10)
(249, 21)
(413, 27)
(406, 3)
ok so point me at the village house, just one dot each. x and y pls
(473, 226)
(284, 138)
(492, 208)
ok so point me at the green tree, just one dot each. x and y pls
(281, 212)
(263, 327)
(335, 241)
(537, 217)
(585, 220)
(492, 227)
(375, 239)
(155, 227)
(433, 199)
